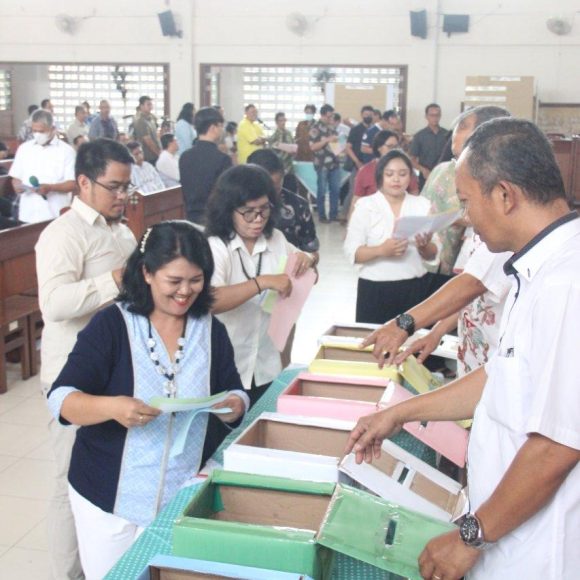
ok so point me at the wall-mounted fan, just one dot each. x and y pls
(559, 25)
(67, 24)
(297, 23)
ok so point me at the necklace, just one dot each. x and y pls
(258, 269)
(169, 387)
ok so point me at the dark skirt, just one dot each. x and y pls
(379, 302)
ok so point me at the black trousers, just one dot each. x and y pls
(379, 302)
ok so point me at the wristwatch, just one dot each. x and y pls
(406, 322)
(471, 532)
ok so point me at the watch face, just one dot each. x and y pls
(406, 322)
(469, 529)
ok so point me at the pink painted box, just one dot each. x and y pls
(336, 397)
(446, 437)
(349, 398)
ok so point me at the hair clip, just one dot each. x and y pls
(144, 240)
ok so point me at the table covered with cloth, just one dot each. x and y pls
(157, 538)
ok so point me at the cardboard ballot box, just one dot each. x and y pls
(404, 479)
(447, 347)
(346, 358)
(335, 397)
(306, 448)
(297, 526)
(446, 437)
(349, 398)
(163, 567)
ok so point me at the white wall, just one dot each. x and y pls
(506, 37)
(30, 85)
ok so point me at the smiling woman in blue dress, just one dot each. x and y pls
(158, 340)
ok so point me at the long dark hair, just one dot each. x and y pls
(235, 187)
(161, 244)
(186, 113)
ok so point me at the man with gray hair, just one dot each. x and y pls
(43, 171)
(524, 446)
(474, 299)
(78, 126)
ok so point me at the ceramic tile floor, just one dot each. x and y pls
(26, 462)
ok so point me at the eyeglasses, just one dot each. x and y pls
(251, 215)
(124, 189)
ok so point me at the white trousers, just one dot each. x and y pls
(103, 537)
(62, 539)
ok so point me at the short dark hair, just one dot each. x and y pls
(389, 114)
(325, 109)
(80, 109)
(205, 118)
(267, 159)
(381, 138)
(166, 140)
(231, 127)
(234, 188)
(31, 109)
(249, 106)
(482, 114)
(279, 115)
(93, 157)
(384, 161)
(186, 113)
(514, 150)
(337, 117)
(159, 245)
(310, 108)
(144, 99)
(377, 112)
(132, 145)
(367, 108)
(431, 106)
(44, 102)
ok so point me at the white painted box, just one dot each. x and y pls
(402, 478)
(303, 448)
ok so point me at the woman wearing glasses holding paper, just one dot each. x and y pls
(392, 274)
(249, 255)
(158, 342)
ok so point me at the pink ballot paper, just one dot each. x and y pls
(287, 310)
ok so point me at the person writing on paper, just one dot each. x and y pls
(159, 340)
(249, 253)
(392, 276)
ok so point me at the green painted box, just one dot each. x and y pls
(297, 526)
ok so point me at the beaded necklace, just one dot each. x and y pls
(169, 387)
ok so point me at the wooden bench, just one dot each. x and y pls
(147, 209)
(19, 310)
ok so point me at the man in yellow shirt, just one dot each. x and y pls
(250, 134)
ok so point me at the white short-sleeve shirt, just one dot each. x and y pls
(51, 163)
(371, 223)
(247, 325)
(533, 386)
(478, 324)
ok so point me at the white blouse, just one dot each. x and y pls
(247, 325)
(372, 223)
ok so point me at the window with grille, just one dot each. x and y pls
(5, 90)
(121, 85)
(289, 88)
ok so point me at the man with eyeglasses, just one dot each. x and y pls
(79, 260)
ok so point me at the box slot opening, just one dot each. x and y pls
(351, 332)
(169, 574)
(391, 531)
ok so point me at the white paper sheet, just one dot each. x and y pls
(407, 227)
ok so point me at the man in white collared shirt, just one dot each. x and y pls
(79, 261)
(143, 175)
(524, 448)
(43, 171)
